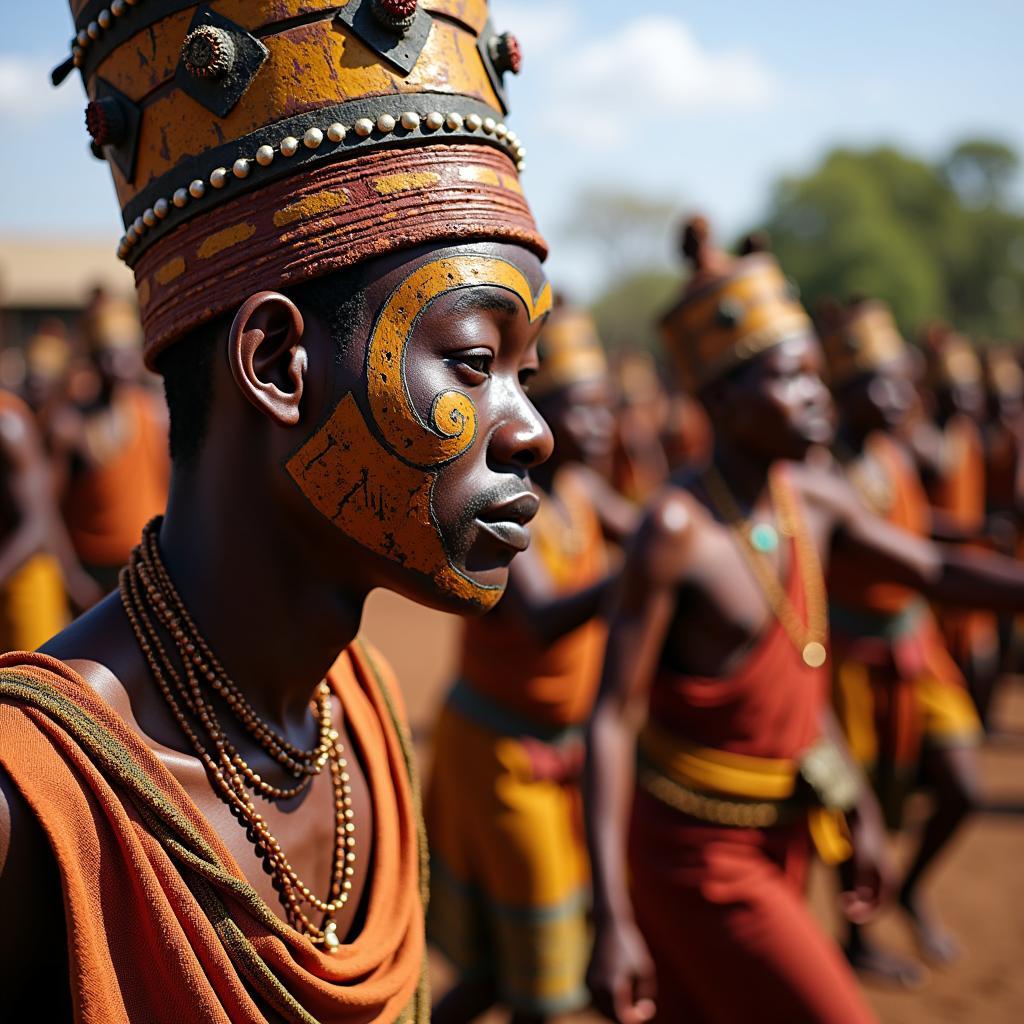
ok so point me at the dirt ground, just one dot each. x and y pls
(978, 887)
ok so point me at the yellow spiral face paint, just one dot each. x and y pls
(374, 480)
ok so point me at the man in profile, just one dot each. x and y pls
(208, 809)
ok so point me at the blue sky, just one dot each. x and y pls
(705, 103)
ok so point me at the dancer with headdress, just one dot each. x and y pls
(209, 810)
(718, 655)
(901, 699)
(509, 873)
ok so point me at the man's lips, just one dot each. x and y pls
(506, 520)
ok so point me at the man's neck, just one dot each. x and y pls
(850, 442)
(275, 624)
(744, 472)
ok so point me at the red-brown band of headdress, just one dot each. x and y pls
(313, 224)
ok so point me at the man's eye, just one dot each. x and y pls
(477, 362)
(525, 376)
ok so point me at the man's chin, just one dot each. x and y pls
(468, 594)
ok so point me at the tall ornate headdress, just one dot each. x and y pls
(858, 338)
(570, 351)
(259, 143)
(731, 310)
(951, 358)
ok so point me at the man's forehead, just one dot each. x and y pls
(394, 268)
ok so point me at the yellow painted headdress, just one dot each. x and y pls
(1003, 371)
(259, 143)
(570, 352)
(47, 352)
(110, 322)
(730, 311)
(858, 338)
(951, 357)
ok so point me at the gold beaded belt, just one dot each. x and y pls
(739, 791)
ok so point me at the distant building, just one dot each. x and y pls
(50, 277)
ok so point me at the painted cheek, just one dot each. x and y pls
(376, 483)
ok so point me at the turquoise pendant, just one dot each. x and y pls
(764, 538)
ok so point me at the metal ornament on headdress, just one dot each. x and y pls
(260, 144)
(732, 310)
(570, 352)
(858, 339)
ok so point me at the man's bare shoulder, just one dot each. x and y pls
(669, 533)
(101, 648)
(823, 483)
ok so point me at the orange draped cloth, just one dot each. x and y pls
(107, 505)
(961, 492)
(162, 925)
(722, 908)
(554, 684)
(896, 685)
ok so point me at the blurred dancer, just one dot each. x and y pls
(956, 486)
(509, 876)
(116, 445)
(719, 643)
(38, 568)
(639, 465)
(1004, 480)
(47, 357)
(901, 699)
(208, 805)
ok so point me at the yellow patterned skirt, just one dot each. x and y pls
(33, 606)
(509, 873)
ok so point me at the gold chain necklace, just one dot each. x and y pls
(147, 594)
(808, 639)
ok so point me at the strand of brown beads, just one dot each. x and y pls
(295, 760)
(154, 610)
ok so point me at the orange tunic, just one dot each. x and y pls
(33, 604)
(722, 908)
(961, 493)
(509, 872)
(108, 504)
(551, 685)
(895, 682)
(164, 926)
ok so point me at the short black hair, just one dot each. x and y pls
(187, 365)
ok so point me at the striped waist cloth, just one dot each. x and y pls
(740, 791)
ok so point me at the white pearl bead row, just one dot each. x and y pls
(313, 139)
(88, 35)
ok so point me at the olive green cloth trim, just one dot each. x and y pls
(419, 1010)
(186, 845)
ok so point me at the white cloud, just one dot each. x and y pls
(653, 69)
(539, 27)
(26, 92)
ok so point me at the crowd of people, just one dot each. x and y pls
(727, 605)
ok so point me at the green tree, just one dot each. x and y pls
(932, 239)
(626, 313)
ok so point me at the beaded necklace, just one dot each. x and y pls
(149, 599)
(808, 639)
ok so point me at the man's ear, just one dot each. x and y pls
(267, 357)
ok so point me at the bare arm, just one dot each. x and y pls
(26, 483)
(872, 873)
(621, 974)
(545, 614)
(39, 525)
(946, 574)
(619, 516)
